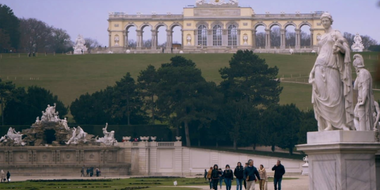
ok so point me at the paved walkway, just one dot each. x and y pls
(301, 183)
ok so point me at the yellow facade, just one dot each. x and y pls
(219, 20)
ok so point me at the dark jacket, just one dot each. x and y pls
(215, 174)
(239, 172)
(228, 174)
(8, 175)
(252, 173)
(279, 171)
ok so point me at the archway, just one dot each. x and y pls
(290, 36)
(217, 35)
(161, 36)
(49, 136)
(275, 36)
(130, 37)
(176, 37)
(305, 36)
(146, 37)
(260, 36)
(232, 36)
(202, 36)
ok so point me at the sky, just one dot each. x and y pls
(89, 17)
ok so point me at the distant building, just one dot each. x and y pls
(218, 26)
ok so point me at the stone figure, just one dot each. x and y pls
(376, 115)
(80, 47)
(50, 115)
(116, 40)
(245, 39)
(364, 108)
(109, 137)
(358, 45)
(16, 137)
(332, 81)
(200, 2)
(38, 120)
(64, 123)
(78, 135)
(188, 40)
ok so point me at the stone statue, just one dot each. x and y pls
(332, 81)
(38, 120)
(64, 123)
(364, 109)
(376, 115)
(78, 135)
(109, 137)
(116, 40)
(16, 137)
(245, 39)
(50, 115)
(200, 2)
(80, 47)
(358, 45)
(188, 40)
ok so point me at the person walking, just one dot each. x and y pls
(228, 177)
(209, 177)
(245, 181)
(263, 177)
(279, 171)
(215, 175)
(205, 175)
(239, 173)
(8, 176)
(221, 177)
(82, 172)
(251, 175)
(2, 174)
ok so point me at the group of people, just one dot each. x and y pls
(245, 176)
(90, 172)
(5, 178)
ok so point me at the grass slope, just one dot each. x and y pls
(69, 76)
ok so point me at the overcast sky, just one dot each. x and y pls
(89, 17)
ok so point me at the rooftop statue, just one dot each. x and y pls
(12, 136)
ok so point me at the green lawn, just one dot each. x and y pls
(69, 76)
(113, 184)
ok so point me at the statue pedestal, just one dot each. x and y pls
(341, 160)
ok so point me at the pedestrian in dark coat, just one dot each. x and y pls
(239, 174)
(279, 171)
(8, 176)
(228, 177)
(215, 177)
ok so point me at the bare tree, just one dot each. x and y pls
(147, 43)
(132, 44)
(35, 35)
(305, 39)
(368, 41)
(275, 40)
(61, 41)
(349, 37)
(290, 39)
(91, 44)
(260, 39)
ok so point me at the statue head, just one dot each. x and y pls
(358, 61)
(327, 15)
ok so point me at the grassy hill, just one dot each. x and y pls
(69, 76)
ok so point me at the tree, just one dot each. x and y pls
(275, 39)
(61, 41)
(6, 89)
(147, 83)
(248, 83)
(290, 39)
(35, 35)
(126, 99)
(9, 29)
(27, 105)
(91, 43)
(147, 43)
(368, 41)
(260, 39)
(183, 94)
(132, 43)
(94, 108)
(349, 37)
(291, 121)
(308, 123)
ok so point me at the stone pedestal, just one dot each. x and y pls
(341, 160)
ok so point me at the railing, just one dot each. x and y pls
(166, 144)
(146, 16)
